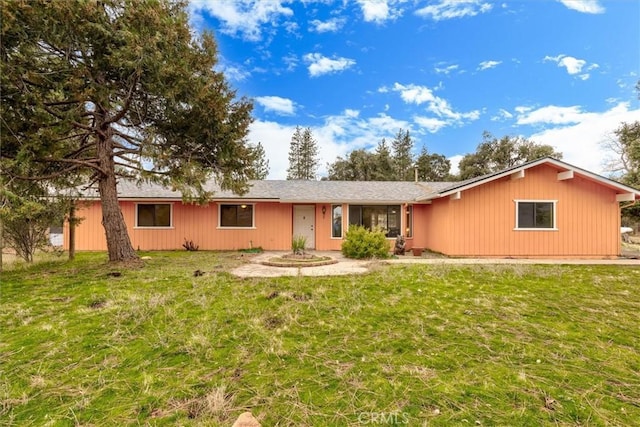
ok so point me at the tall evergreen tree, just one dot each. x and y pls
(303, 155)
(432, 167)
(117, 88)
(402, 146)
(294, 170)
(260, 164)
(383, 163)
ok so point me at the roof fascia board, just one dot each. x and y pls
(179, 199)
(567, 167)
(348, 202)
(489, 178)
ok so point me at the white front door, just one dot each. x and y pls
(304, 223)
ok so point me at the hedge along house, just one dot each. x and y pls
(545, 208)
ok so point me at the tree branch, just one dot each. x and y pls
(127, 103)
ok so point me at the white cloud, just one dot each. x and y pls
(414, 94)
(243, 17)
(584, 6)
(291, 61)
(431, 124)
(275, 139)
(579, 135)
(455, 163)
(447, 69)
(582, 142)
(573, 65)
(485, 65)
(379, 11)
(234, 73)
(320, 64)
(276, 104)
(450, 9)
(336, 136)
(332, 25)
(502, 115)
(551, 115)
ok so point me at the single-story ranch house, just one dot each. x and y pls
(544, 208)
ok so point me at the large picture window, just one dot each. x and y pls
(535, 214)
(236, 216)
(386, 217)
(336, 221)
(153, 215)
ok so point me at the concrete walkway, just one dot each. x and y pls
(346, 266)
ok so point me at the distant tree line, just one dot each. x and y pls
(399, 163)
(395, 162)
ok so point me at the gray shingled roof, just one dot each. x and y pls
(383, 192)
(295, 191)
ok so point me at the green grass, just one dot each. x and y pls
(414, 345)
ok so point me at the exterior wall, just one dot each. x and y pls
(482, 222)
(324, 241)
(272, 230)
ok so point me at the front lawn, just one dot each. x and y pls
(81, 344)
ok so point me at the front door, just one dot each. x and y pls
(304, 221)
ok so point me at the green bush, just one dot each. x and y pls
(360, 243)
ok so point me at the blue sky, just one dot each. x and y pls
(558, 72)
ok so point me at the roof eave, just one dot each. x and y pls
(507, 172)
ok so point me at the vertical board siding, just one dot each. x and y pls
(482, 222)
(191, 222)
(324, 241)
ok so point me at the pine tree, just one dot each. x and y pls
(432, 167)
(100, 90)
(384, 163)
(402, 145)
(260, 164)
(303, 155)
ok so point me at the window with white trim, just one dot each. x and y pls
(385, 217)
(535, 214)
(235, 216)
(153, 215)
(336, 221)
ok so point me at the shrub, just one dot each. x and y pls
(298, 243)
(360, 243)
(190, 246)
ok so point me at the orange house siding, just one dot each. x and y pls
(482, 222)
(273, 228)
(197, 223)
(324, 241)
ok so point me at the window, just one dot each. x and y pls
(409, 222)
(385, 217)
(336, 221)
(153, 215)
(535, 214)
(236, 216)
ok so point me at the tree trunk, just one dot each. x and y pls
(118, 241)
(72, 231)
